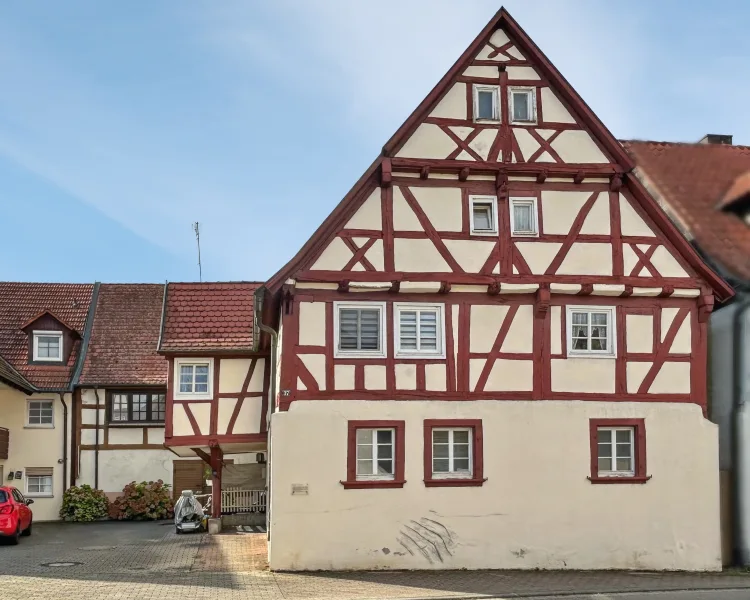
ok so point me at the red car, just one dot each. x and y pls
(15, 514)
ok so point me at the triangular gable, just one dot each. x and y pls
(566, 105)
(47, 313)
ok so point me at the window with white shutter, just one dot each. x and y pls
(359, 329)
(419, 330)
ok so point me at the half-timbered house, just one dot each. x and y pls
(494, 326)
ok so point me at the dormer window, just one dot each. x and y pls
(48, 346)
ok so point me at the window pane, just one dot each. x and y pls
(604, 436)
(598, 318)
(482, 215)
(440, 450)
(408, 331)
(461, 437)
(522, 217)
(580, 344)
(348, 325)
(364, 467)
(605, 450)
(605, 464)
(369, 329)
(521, 107)
(461, 451)
(440, 436)
(158, 407)
(623, 450)
(364, 436)
(580, 318)
(623, 436)
(385, 467)
(364, 452)
(440, 465)
(485, 105)
(598, 344)
(461, 464)
(385, 451)
(428, 330)
(385, 436)
(623, 464)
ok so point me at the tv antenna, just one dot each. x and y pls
(196, 228)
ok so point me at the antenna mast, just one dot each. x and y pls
(196, 228)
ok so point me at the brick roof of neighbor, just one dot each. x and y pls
(122, 348)
(693, 179)
(21, 302)
(209, 316)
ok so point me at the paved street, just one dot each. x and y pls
(149, 561)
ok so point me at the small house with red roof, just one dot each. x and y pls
(44, 329)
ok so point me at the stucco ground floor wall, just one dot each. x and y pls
(537, 508)
(35, 447)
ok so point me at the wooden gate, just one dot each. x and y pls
(188, 475)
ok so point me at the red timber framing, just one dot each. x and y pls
(209, 434)
(457, 314)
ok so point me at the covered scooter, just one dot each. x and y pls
(188, 513)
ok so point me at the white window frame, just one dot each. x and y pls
(526, 201)
(451, 474)
(439, 352)
(31, 425)
(374, 445)
(496, 109)
(180, 362)
(29, 494)
(483, 200)
(337, 352)
(531, 93)
(37, 334)
(614, 472)
(611, 333)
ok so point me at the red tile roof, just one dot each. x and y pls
(692, 179)
(122, 348)
(21, 302)
(209, 316)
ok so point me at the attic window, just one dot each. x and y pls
(522, 105)
(48, 346)
(486, 104)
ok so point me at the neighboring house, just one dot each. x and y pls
(705, 190)
(42, 330)
(217, 390)
(120, 398)
(494, 325)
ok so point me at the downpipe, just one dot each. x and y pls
(740, 440)
(65, 442)
(96, 443)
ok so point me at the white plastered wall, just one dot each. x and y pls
(536, 510)
(34, 447)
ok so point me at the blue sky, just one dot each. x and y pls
(122, 123)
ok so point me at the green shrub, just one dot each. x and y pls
(83, 504)
(145, 501)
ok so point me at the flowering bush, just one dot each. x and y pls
(83, 504)
(143, 502)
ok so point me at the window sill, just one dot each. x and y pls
(636, 480)
(592, 355)
(454, 482)
(38, 426)
(39, 496)
(375, 483)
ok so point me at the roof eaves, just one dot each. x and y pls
(12, 377)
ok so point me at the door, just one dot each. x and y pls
(188, 475)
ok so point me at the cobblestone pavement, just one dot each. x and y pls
(149, 561)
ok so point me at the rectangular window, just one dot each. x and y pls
(419, 330)
(48, 346)
(375, 455)
(483, 215)
(39, 481)
(137, 407)
(486, 104)
(591, 331)
(523, 217)
(618, 450)
(522, 105)
(359, 329)
(40, 413)
(194, 379)
(453, 452)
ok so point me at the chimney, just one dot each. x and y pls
(716, 138)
